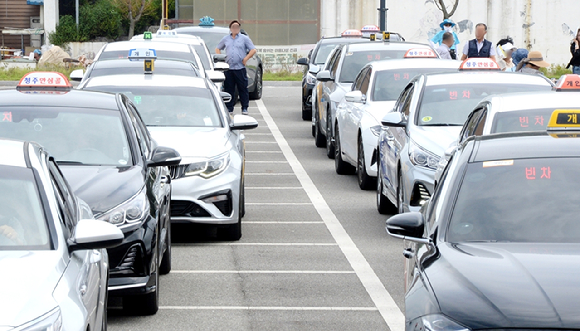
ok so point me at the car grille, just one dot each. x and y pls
(131, 263)
(420, 195)
(177, 171)
(187, 209)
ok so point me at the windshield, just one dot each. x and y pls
(527, 200)
(451, 104)
(161, 54)
(211, 39)
(175, 106)
(354, 61)
(184, 71)
(81, 136)
(203, 56)
(23, 225)
(323, 52)
(389, 83)
(523, 120)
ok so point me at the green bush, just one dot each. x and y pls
(66, 31)
(555, 71)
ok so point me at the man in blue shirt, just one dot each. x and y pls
(239, 49)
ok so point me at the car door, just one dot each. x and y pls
(328, 88)
(86, 267)
(353, 115)
(396, 140)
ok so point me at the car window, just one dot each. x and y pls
(481, 123)
(470, 123)
(445, 105)
(335, 62)
(323, 52)
(402, 98)
(64, 193)
(203, 56)
(521, 200)
(364, 88)
(141, 135)
(440, 195)
(211, 39)
(354, 61)
(523, 120)
(23, 225)
(388, 84)
(359, 79)
(83, 136)
(406, 106)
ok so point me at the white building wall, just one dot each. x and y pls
(544, 25)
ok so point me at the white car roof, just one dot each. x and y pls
(127, 45)
(12, 153)
(380, 45)
(144, 80)
(485, 77)
(414, 63)
(180, 39)
(537, 100)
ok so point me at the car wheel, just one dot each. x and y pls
(365, 182)
(400, 194)
(341, 167)
(330, 147)
(319, 138)
(257, 92)
(313, 130)
(147, 304)
(165, 266)
(384, 205)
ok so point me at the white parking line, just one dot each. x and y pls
(257, 134)
(278, 162)
(313, 272)
(268, 308)
(283, 222)
(254, 244)
(260, 142)
(278, 203)
(264, 152)
(268, 174)
(269, 188)
(379, 295)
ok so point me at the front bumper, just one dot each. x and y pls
(188, 195)
(418, 185)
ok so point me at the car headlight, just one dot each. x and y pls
(208, 168)
(310, 79)
(376, 130)
(436, 322)
(51, 321)
(131, 211)
(421, 157)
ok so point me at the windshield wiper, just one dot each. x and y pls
(65, 162)
(441, 124)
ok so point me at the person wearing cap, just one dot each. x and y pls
(447, 26)
(575, 50)
(239, 49)
(517, 56)
(444, 49)
(505, 49)
(532, 64)
(479, 47)
(37, 54)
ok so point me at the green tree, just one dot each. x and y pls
(133, 10)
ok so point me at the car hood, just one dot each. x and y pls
(104, 188)
(192, 142)
(435, 139)
(27, 281)
(508, 285)
(378, 109)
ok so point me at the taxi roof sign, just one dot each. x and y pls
(351, 33)
(479, 63)
(46, 80)
(142, 53)
(420, 53)
(147, 35)
(166, 33)
(570, 82)
(564, 120)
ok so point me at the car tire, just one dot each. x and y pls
(319, 138)
(313, 130)
(384, 205)
(257, 92)
(146, 304)
(165, 266)
(341, 167)
(330, 147)
(365, 182)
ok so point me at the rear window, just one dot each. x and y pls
(524, 120)
(389, 83)
(354, 61)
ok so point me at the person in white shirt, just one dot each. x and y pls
(479, 47)
(445, 47)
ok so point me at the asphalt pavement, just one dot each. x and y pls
(314, 254)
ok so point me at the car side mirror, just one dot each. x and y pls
(324, 76)
(216, 76)
(408, 226)
(94, 234)
(394, 119)
(302, 61)
(164, 157)
(226, 97)
(219, 58)
(77, 75)
(243, 122)
(355, 96)
(221, 66)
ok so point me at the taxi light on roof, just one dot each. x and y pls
(386, 36)
(142, 53)
(570, 82)
(44, 80)
(370, 28)
(147, 35)
(351, 33)
(420, 53)
(166, 33)
(479, 63)
(564, 120)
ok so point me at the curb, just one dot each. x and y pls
(281, 83)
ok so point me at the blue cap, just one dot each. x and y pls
(446, 21)
(37, 51)
(518, 55)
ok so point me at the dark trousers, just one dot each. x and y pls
(237, 78)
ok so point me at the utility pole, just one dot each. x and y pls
(383, 15)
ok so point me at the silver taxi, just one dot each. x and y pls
(53, 253)
(427, 117)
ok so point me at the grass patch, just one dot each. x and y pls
(15, 74)
(555, 71)
(283, 76)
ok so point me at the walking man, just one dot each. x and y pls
(479, 47)
(444, 49)
(239, 49)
